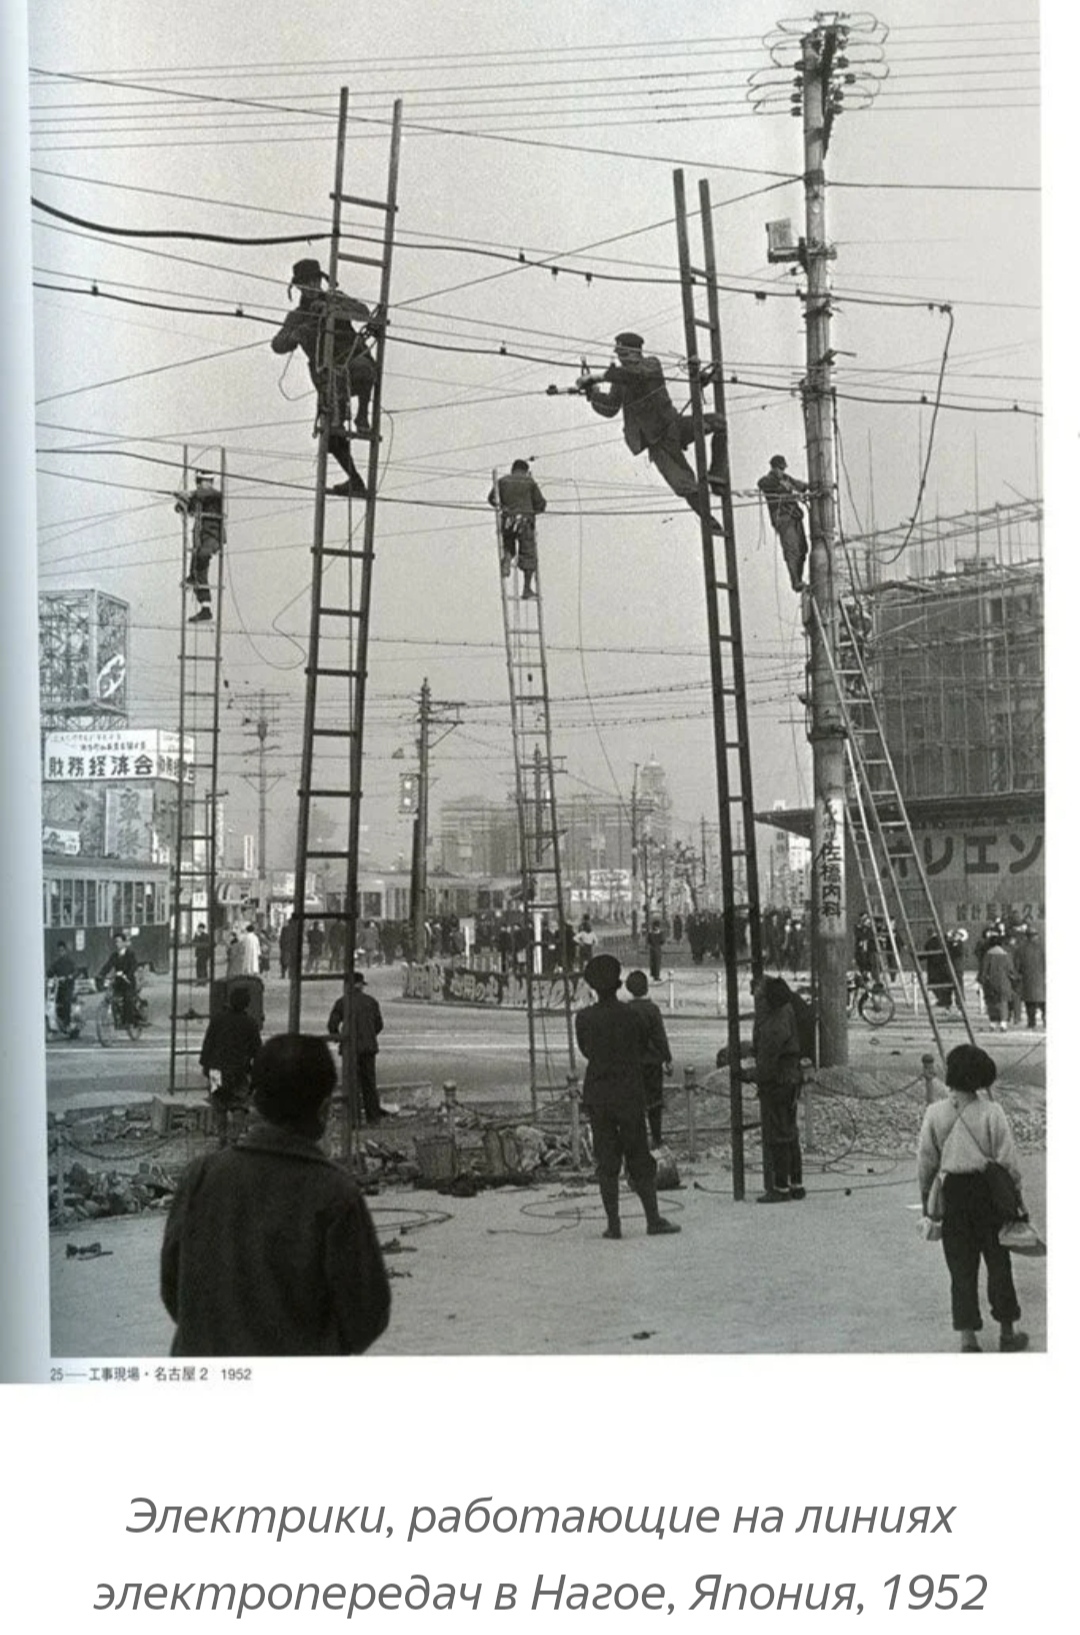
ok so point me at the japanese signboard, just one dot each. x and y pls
(99, 757)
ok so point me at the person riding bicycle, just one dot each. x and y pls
(124, 969)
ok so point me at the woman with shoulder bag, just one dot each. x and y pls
(960, 1136)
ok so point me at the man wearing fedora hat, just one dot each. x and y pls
(365, 1023)
(651, 422)
(614, 1040)
(782, 493)
(352, 368)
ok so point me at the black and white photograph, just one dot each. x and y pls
(540, 630)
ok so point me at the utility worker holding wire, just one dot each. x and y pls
(352, 368)
(519, 502)
(783, 495)
(651, 422)
(205, 505)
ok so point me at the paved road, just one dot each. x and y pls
(484, 1051)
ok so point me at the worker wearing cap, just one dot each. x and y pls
(519, 503)
(782, 493)
(614, 1039)
(352, 368)
(205, 505)
(651, 422)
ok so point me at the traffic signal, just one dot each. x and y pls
(409, 796)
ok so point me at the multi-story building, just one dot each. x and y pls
(955, 660)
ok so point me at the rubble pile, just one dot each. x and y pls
(90, 1194)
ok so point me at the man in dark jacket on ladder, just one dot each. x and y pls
(519, 503)
(651, 422)
(206, 507)
(352, 368)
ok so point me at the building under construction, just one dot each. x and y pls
(954, 657)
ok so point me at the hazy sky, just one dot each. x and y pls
(211, 127)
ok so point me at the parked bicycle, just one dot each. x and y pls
(869, 996)
(63, 1007)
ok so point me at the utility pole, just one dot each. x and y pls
(633, 857)
(829, 931)
(420, 830)
(262, 720)
(427, 719)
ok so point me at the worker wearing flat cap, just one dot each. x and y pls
(352, 368)
(651, 422)
(783, 494)
(614, 1039)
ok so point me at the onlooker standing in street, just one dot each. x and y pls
(996, 973)
(230, 1045)
(235, 954)
(586, 940)
(654, 941)
(657, 1060)
(1031, 962)
(316, 942)
(201, 944)
(269, 1249)
(613, 1039)
(959, 1137)
(252, 951)
(289, 944)
(777, 1057)
(365, 1024)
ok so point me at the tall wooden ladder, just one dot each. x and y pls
(195, 851)
(891, 871)
(543, 900)
(731, 736)
(342, 558)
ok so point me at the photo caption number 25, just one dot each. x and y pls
(922, 1589)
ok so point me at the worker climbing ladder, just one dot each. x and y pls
(540, 839)
(731, 739)
(891, 872)
(195, 849)
(342, 558)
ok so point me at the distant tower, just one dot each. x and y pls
(653, 799)
(83, 660)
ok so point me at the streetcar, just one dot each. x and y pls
(85, 903)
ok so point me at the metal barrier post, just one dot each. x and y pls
(690, 1079)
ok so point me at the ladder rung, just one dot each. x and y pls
(339, 550)
(326, 794)
(338, 854)
(361, 260)
(328, 670)
(340, 613)
(332, 732)
(200, 658)
(368, 204)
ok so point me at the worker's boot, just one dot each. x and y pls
(609, 1196)
(656, 1224)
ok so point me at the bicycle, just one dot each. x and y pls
(871, 999)
(110, 1019)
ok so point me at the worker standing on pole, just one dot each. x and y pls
(205, 505)
(352, 368)
(519, 502)
(782, 493)
(651, 422)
